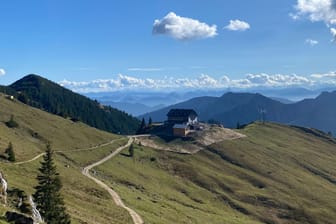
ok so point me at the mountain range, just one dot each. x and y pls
(233, 108)
(138, 102)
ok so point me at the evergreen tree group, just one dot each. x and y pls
(47, 196)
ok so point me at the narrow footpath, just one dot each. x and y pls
(86, 171)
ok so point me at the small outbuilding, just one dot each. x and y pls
(180, 130)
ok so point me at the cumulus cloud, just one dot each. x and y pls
(317, 10)
(237, 25)
(203, 81)
(311, 42)
(2, 71)
(183, 28)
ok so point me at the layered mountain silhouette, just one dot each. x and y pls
(44, 94)
(233, 108)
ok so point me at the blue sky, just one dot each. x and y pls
(107, 45)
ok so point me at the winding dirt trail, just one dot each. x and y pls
(86, 171)
(31, 160)
(72, 150)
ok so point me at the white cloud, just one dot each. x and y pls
(333, 33)
(311, 42)
(331, 74)
(317, 10)
(204, 81)
(237, 25)
(294, 16)
(183, 28)
(277, 80)
(2, 71)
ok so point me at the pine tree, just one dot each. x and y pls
(10, 152)
(142, 127)
(150, 122)
(47, 196)
(131, 150)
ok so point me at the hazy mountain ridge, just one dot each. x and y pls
(134, 109)
(243, 108)
(126, 100)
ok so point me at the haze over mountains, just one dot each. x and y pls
(233, 108)
(141, 102)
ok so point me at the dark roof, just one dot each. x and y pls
(181, 112)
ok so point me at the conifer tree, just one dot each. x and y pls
(150, 121)
(131, 150)
(142, 127)
(47, 196)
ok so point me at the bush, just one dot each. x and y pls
(12, 123)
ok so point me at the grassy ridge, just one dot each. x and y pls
(277, 174)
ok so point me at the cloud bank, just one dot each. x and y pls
(237, 25)
(125, 82)
(2, 71)
(183, 28)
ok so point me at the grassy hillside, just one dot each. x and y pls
(29, 138)
(278, 174)
(49, 96)
(36, 128)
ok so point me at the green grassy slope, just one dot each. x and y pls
(85, 201)
(277, 174)
(37, 127)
